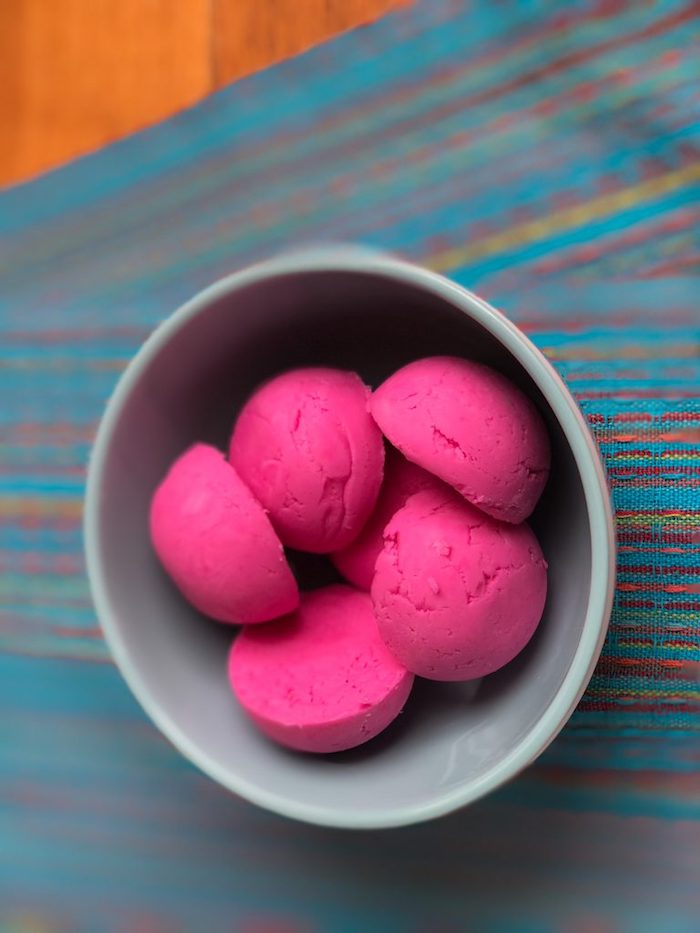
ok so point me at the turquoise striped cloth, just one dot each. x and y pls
(543, 154)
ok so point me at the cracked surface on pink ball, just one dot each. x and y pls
(401, 480)
(311, 453)
(456, 593)
(470, 426)
(216, 542)
(322, 679)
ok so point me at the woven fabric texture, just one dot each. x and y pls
(545, 155)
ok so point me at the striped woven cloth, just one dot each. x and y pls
(545, 155)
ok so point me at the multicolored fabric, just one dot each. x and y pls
(545, 155)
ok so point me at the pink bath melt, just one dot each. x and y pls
(216, 542)
(470, 426)
(401, 480)
(322, 679)
(457, 594)
(312, 455)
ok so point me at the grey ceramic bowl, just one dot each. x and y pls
(356, 309)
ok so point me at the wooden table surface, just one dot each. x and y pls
(77, 74)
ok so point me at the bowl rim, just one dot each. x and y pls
(363, 260)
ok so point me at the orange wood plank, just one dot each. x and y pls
(75, 74)
(251, 34)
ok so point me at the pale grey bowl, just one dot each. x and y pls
(351, 308)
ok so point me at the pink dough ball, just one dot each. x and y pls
(401, 480)
(311, 453)
(457, 594)
(322, 679)
(471, 427)
(216, 542)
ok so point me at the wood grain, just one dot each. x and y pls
(82, 73)
(250, 35)
(76, 74)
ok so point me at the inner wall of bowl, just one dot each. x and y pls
(190, 390)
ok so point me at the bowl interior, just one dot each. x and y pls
(189, 388)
